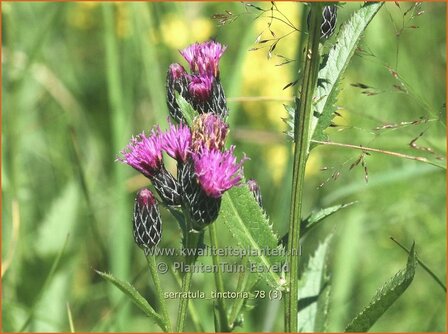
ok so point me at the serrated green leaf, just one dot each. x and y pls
(385, 297)
(135, 296)
(251, 229)
(314, 291)
(187, 110)
(317, 217)
(338, 59)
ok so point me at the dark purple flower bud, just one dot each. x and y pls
(176, 81)
(217, 171)
(202, 209)
(209, 131)
(255, 189)
(144, 153)
(176, 142)
(147, 224)
(200, 87)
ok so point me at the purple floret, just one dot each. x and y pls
(203, 58)
(176, 142)
(200, 86)
(217, 171)
(144, 153)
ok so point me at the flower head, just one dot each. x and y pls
(209, 131)
(204, 57)
(217, 171)
(144, 153)
(176, 141)
(176, 71)
(200, 87)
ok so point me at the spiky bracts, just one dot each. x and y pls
(147, 225)
(329, 17)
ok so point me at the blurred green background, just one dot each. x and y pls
(79, 79)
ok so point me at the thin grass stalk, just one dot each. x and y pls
(301, 128)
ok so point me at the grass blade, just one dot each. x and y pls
(314, 286)
(135, 296)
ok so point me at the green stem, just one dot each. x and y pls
(151, 259)
(191, 242)
(223, 322)
(241, 286)
(301, 126)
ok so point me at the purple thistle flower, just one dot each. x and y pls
(200, 87)
(204, 58)
(144, 153)
(176, 142)
(217, 171)
(209, 131)
(190, 55)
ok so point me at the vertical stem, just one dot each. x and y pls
(241, 286)
(301, 133)
(151, 259)
(191, 244)
(223, 322)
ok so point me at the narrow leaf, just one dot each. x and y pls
(317, 217)
(251, 228)
(314, 219)
(314, 291)
(187, 110)
(338, 60)
(135, 296)
(385, 297)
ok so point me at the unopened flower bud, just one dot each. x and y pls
(147, 224)
(329, 14)
(176, 81)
